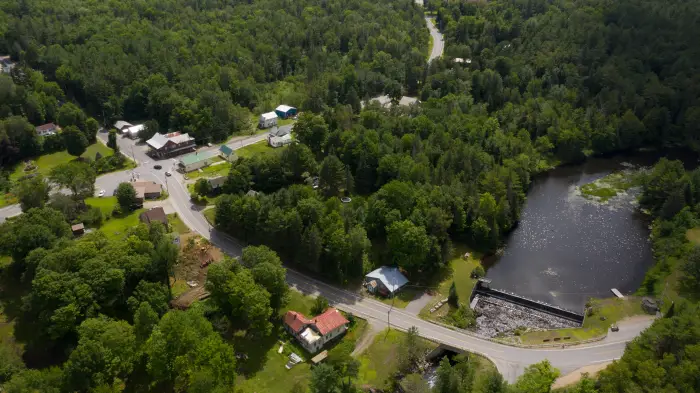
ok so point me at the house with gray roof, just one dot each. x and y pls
(174, 143)
(386, 281)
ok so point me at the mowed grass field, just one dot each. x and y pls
(47, 162)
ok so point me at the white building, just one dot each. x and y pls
(314, 333)
(194, 161)
(279, 137)
(47, 129)
(267, 120)
(133, 131)
(122, 125)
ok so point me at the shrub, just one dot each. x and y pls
(478, 272)
(92, 217)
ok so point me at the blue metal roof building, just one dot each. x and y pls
(285, 111)
(386, 280)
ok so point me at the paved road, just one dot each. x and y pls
(511, 361)
(438, 41)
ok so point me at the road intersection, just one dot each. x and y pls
(510, 361)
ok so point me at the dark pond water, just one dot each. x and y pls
(566, 248)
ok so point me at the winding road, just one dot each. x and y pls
(510, 361)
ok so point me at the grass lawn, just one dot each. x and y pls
(106, 204)
(211, 171)
(8, 199)
(258, 148)
(202, 201)
(48, 161)
(401, 300)
(284, 122)
(178, 287)
(210, 215)
(459, 271)
(380, 360)
(115, 227)
(612, 309)
(177, 225)
(693, 235)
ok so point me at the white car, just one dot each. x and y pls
(101, 193)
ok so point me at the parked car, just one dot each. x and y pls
(157, 167)
(101, 193)
(168, 174)
(614, 328)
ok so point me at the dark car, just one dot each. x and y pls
(615, 328)
(157, 167)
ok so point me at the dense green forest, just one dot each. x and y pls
(547, 83)
(195, 65)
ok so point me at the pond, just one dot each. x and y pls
(567, 248)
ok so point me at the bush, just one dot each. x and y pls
(478, 272)
(92, 217)
(320, 305)
(463, 317)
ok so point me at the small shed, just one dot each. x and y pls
(78, 229)
(267, 120)
(285, 111)
(133, 132)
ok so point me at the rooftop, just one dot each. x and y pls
(154, 214)
(217, 181)
(270, 115)
(45, 127)
(159, 140)
(133, 130)
(391, 277)
(121, 124)
(197, 157)
(146, 187)
(330, 320)
(225, 150)
(284, 108)
(280, 131)
(77, 227)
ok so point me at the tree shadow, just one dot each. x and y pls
(252, 352)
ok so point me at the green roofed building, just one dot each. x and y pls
(227, 153)
(194, 161)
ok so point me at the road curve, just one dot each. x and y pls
(438, 40)
(511, 361)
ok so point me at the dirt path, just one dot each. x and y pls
(366, 340)
(575, 376)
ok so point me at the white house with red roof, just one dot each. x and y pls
(314, 333)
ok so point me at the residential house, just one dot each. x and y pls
(6, 65)
(133, 131)
(147, 190)
(217, 182)
(285, 111)
(227, 153)
(166, 145)
(78, 229)
(279, 136)
(122, 125)
(385, 281)
(47, 129)
(156, 214)
(314, 333)
(267, 120)
(194, 161)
